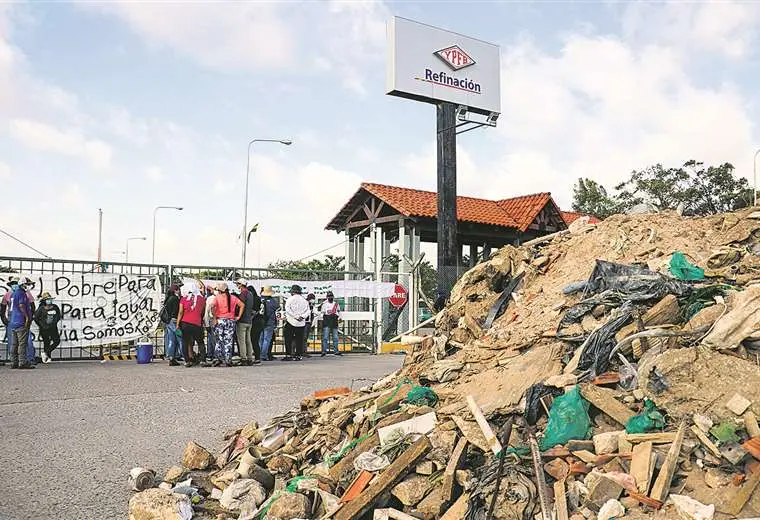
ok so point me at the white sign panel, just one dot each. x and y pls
(429, 64)
(340, 288)
(99, 308)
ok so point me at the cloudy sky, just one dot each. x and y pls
(130, 105)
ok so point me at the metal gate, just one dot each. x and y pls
(357, 332)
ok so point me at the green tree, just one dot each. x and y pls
(692, 188)
(313, 269)
(591, 198)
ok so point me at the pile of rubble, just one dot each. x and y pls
(606, 371)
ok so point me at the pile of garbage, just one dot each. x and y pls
(607, 371)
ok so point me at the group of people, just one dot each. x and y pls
(244, 319)
(18, 311)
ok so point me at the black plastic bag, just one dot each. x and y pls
(533, 397)
(599, 344)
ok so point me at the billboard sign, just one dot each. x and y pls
(429, 64)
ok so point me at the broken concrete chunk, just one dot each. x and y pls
(432, 504)
(174, 474)
(412, 490)
(159, 504)
(561, 380)
(702, 422)
(240, 491)
(557, 468)
(601, 491)
(605, 443)
(196, 456)
(690, 509)
(611, 509)
(738, 404)
(422, 424)
(289, 506)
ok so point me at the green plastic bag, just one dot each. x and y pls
(650, 419)
(568, 420)
(683, 269)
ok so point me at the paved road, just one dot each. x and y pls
(70, 432)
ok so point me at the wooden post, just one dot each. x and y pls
(447, 196)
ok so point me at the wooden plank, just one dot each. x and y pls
(388, 478)
(641, 467)
(651, 502)
(604, 399)
(449, 474)
(560, 500)
(359, 484)
(391, 400)
(750, 423)
(654, 438)
(321, 395)
(664, 312)
(488, 433)
(705, 440)
(458, 510)
(661, 486)
(348, 460)
(743, 495)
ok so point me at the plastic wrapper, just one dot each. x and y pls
(533, 408)
(598, 346)
(649, 420)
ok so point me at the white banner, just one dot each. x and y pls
(99, 308)
(340, 288)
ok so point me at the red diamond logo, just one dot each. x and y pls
(455, 57)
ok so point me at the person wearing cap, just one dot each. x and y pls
(243, 326)
(296, 314)
(330, 312)
(19, 320)
(169, 317)
(227, 310)
(47, 317)
(269, 308)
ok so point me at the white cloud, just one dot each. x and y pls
(155, 174)
(5, 171)
(48, 138)
(239, 36)
(72, 196)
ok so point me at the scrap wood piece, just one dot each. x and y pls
(560, 500)
(359, 484)
(449, 474)
(389, 477)
(391, 514)
(321, 395)
(642, 467)
(743, 495)
(360, 400)
(753, 447)
(607, 378)
(604, 399)
(490, 436)
(664, 312)
(705, 440)
(391, 400)
(750, 424)
(647, 501)
(459, 509)
(471, 431)
(543, 492)
(661, 486)
(654, 438)
(348, 460)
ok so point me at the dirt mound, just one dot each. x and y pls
(608, 370)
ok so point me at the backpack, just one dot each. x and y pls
(164, 315)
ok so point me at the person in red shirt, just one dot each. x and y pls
(192, 309)
(227, 310)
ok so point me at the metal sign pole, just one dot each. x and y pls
(447, 196)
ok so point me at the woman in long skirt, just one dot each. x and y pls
(227, 310)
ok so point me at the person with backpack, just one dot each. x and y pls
(47, 317)
(192, 310)
(269, 308)
(169, 318)
(330, 311)
(228, 309)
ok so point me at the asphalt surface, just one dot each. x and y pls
(70, 432)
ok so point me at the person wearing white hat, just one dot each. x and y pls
(47, 317)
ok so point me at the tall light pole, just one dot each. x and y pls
(754, 178)
(286, 142)
(155, 210)
(127, 250)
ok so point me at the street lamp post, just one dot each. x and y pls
(155, 210)
(127, 249)
(286, 142)
(754, 178)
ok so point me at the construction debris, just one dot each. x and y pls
(575, 377)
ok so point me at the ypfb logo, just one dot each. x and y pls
(455, 57)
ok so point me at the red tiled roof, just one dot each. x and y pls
(418, 203)
(571, 216)
(525, 208)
